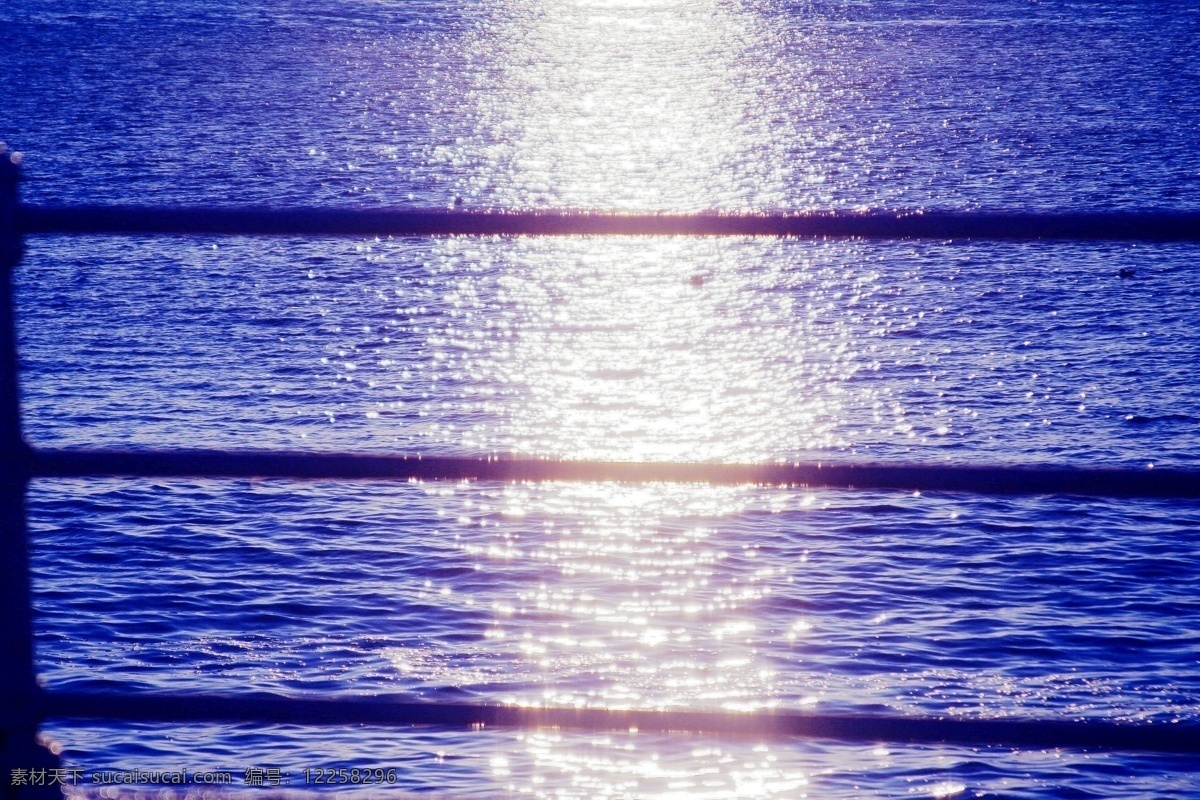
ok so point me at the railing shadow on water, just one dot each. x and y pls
(25, 704)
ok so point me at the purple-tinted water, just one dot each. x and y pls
(616, 595)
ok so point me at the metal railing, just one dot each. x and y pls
(26, 704)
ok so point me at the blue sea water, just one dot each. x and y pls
(654, 596)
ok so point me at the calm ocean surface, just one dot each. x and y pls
(650, 596)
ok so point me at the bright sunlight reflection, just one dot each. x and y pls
(633, 349)
(623, 105)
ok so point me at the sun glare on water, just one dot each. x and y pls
(634, 349)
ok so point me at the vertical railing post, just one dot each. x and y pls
(28, 768)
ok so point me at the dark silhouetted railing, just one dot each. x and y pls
(1152, 226)
(1164, 483)
(25, 704)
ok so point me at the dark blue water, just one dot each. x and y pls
(611, 595)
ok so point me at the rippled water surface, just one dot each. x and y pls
(607, 595)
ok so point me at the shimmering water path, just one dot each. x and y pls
(614, 595)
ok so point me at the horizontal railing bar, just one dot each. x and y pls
(1164, 738)
(1149, 483)
(1104, 225)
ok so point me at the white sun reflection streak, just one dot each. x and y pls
(625, 105)
(633, 349)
